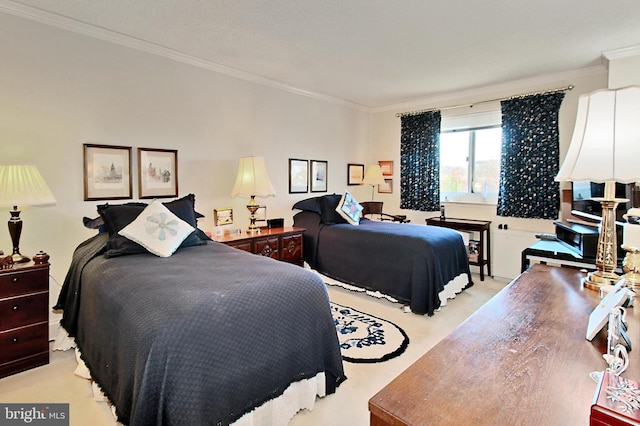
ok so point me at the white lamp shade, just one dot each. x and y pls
(252, 179)
(606, 139)
(23, 186)
(373, 176)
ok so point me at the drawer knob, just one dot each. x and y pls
(16, 307)
(15, 279)
(14, 340)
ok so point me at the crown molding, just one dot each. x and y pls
(104, 34)
(513, 86)
(623, 52)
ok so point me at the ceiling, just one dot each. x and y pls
(368, 53)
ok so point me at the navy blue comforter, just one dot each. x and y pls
(409, 262)
(201, 337)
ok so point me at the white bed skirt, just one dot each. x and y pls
(276, 412)
(451, 289)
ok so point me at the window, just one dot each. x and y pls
(470, 164)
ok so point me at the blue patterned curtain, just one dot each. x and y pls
(420, 162)
(530, 157)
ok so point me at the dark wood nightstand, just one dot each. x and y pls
(24, 317)
(283, 244)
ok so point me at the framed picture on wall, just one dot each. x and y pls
(222, 216)
(298, 176)
(107, 172)
(386, 167)
(318, 176)
(355, 174)
(157, 173)
(261, 214)
(386, 187)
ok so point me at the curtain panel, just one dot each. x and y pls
(420, 162)
(530, 157)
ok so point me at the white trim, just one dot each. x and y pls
(623, 52)
(506, 87)
(48, 18)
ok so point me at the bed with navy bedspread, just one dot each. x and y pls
(409, 262)
(201, 337)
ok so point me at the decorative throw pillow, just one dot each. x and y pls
(158, 230)
(309, 204)
(329, 213)
(349, 208)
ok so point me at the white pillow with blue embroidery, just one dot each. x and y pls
(158, 230)
(349, 208)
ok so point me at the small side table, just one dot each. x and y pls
(482, 227)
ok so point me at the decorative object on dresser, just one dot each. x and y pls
(283, 244)
(605, 147)
(107, 172)
(22, 186)
(631, 244)
(24, 316)
(157, 173)
(252, 181)
(373, 177)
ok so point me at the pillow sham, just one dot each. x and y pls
(349, 208)
(329, 213)
(310, 204)
(117, 216)
(158, 230)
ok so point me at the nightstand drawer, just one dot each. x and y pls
(23, 282)
(23, 342)
(20, 311)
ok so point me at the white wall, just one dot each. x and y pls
(59, 89)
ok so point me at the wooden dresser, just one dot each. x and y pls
(24, 317)
(283, 244)
(521, 359)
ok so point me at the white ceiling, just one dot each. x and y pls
(370, 53)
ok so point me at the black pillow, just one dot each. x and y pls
(329, 213)
(117, 216)
(309, 204)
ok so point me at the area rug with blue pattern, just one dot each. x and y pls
(365, 338)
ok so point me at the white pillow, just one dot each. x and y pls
(158, 230)
(349, 208)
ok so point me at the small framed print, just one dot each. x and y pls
(355, 174)
(223, 216)
(157, 173)
(386, 187)
(107, 172)
(261, 214)
(298, 176)
(318, 176)
(386, 167)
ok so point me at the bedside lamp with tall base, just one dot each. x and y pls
(605, 147)
(373, 177)
(22, 186)
(252, 181)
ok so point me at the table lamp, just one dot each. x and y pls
(605, 147)
(373, 177)
(252, 181)
(22, 186)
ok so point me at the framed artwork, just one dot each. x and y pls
(107, 172)
(386, 167)
(157, 173)
(261, 214)
(386, 187)
(223, 216)
(355, 174)
(298, 176)
(319, 176)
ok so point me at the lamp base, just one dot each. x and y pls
(631, 267)
(597, 279)
(19, 258)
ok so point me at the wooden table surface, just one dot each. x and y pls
(521, 359)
